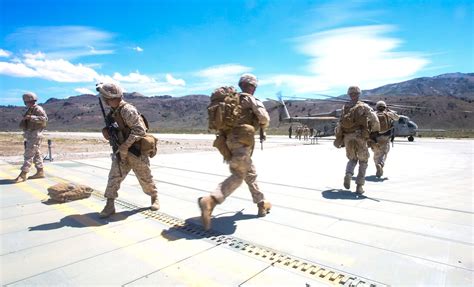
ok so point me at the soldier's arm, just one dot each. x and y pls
(132, 119)
(39, 115)
(394, 116)
(259, 110)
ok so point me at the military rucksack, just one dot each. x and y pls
(385, 121)
(224, 110)
(63, 192)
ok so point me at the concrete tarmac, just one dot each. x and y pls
(413, 226)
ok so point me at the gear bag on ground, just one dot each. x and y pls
(63, 192)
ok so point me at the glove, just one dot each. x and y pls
(123, 151)
(105, 133)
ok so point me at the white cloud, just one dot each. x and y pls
(223, 71)
(138, 49)
(85, 91)
(5, 53)
(36, 65)
(63, 42)
(175, 82)
(216, 76)
(353, 55)
(148, 85)
(17, 70)
(133, 78)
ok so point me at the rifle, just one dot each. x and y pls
(262, 137)
(112, 130)
(392, 135)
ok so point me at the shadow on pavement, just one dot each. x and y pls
(373, 178)
(7, 181)
(345, 194)
(341, 194)
(221, 225)
(86, 220)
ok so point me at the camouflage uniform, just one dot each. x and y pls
(130, 135)
(382, 146)
(33, 134)
(241, 165)
(139, 164)
(238, 146)
(356, 123)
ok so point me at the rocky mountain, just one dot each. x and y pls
(456, 85)
(444, 101)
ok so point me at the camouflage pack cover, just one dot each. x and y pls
(225, 109)
(385, 122)
(63, 192)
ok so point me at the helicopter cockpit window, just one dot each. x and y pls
(411, 125)
(402, 121)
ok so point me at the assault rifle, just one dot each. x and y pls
(262, 137)
(112, 131)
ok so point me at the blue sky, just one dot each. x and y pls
(62, 48)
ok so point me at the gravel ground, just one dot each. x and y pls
(66, 146)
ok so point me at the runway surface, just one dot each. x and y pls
(414, 226)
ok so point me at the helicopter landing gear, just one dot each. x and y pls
(411, 138)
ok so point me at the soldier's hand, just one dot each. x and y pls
(105, 133)
(123, 151)
(28, 117)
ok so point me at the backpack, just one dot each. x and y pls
(224, 110)
(63, 192)
(385, 122)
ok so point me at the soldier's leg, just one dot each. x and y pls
(30, 151)
(38, 158)
(350, 145)
(239, 166)
(116, 176)
(263, 205)
(251, 180)
(360, 179)
(141, 168)
(115, 179)
(363, 156)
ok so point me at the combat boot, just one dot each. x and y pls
(155, 204)
(347, 181)
(206, 204)
(109, 209)
(21, 177)
(360, 189)
(39, 174)
(379, 172)
(263, 208)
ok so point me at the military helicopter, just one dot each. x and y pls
(325, 123)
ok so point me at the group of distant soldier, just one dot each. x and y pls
(236, 116)
(301, 131)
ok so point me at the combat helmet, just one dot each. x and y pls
(248, 78)
(29, 97)
(380, 104)
(353, 90)
(109, 90)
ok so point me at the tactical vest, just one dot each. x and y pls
(124, 130)
(351, 120)
(29, 124)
